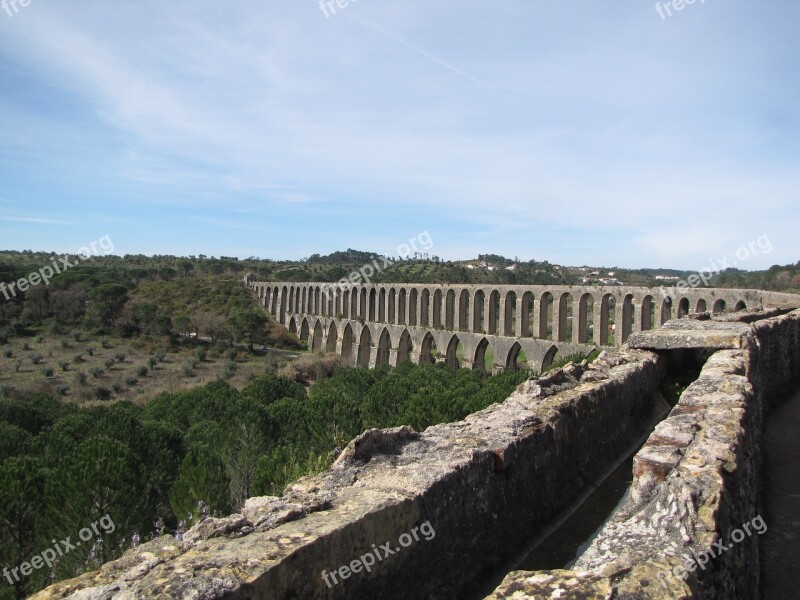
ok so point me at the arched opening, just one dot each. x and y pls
(362, 305)
(392, 306)
(338, 309)
(333, 338)
(304, 301)
(317, 303)
(291, 299)
(455, 353)
(463, 311)
(428, 352)
(551, 356)
(405, 347)
(683, 308)
(275, 302)
(373, 300)
(348, 340)
(527, 314)
(627, 317)
(304, 330)
(292, 326)
(316, 341)
(565, 317)
(346, 304)
(284, 300)
(516, 358)
(364, 348)
(382, 306)
(450, 311)
(478, 326)
(607, 327)
(666, 310)
(401, 307)
(510, 314)
(648, 315)
(740, 305)
(384, 345)
(719, 306)
(484, 357)
(586, 319)
(354, 303)
(702, 306)
(413, 296)
(424, 308)
(437, 309)
(494, 312)
(546, 316)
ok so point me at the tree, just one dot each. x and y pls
(249, 325)
(106, 303)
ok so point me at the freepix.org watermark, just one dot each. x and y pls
(12, 6)
(103, 246)
(693, 561)
(665, 10)
(50, 556)
(421, 242)
(704, 275)
(365, 562)
(328, 7)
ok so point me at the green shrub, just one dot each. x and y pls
(102, 393)
(37, 358)
(48, 372)
(142, 371)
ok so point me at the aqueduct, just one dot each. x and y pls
(520, 326)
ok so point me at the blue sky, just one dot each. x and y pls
(580, 132)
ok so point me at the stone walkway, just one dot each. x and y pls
(780, 545)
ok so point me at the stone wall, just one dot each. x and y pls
(697, 480)
(485, 485)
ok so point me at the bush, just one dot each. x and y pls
(201, 354)
(152, 361)
(78, 359)
(142, 371)
(312, 367)
(270, 363)
(17, 366)
(117, 387)
(109, 362)
(161, 355)
(120, 357)
(48, 372)
(77, 335)
(62, 390)
(80, 377)
(188, 370)
(37, 358)
(40, 339)
(96, 372)
(131, 381)
(105, 344)
(89, 350)
(65, 344)
(26, 346)
(102, 393)
(8, 353)
(231, 354)
(229, 370)
(64, 365)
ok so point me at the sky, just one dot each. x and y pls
(580, 132)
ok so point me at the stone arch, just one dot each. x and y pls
(608, 307)
(413, 297)
(304, 300)
(373, 301)
(348, 341)
(480, 358)
(382, 306)
(274, 308)
(337, 311)
(463, 311)
(428, 351)
(316, 341)
(493, 321)
(345, 304)
(401, 306)
(284, 307)
(627, 318)
(362, 304)
(510, 315)
(546, 316)
(513, 359)
(424, 307)
(304, 331)
(437, 309)
(478, 324)
(384, 346)
(683, 308)
(719, 306)
(450, 311)
(586, 319)
(647, 317)
(291, 299)
(740, 305)
(527, 315)
(565, 317)
(452, 358)
(333, 338)
(549, 358)
(666, 310)
(364, 348)
(702, 306)
(392, 306)
(354, 303)
(317, 301)
(404, 347)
